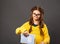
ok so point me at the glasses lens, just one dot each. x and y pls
(36, 14)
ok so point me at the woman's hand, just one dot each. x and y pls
(26, 33)
(42, 43)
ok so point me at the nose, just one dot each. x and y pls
(36, 15)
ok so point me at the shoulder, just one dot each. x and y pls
(45, 28)
(27, 22)
(44, 24)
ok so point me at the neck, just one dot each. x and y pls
(36, 22)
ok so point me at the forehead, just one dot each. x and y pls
(36, 11)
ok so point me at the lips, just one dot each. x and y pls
(35, 16)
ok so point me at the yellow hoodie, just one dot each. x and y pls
(36, 32)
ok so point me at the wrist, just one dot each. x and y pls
(42, 42)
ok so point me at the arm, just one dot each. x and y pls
(46, 35)
(23, 28)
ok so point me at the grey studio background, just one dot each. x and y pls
(14, 13)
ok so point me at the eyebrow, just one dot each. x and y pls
(35, 13)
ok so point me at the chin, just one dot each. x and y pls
(36, 19)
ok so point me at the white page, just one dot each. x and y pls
(28, 40)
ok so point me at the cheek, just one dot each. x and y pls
(33, 16)
(38, 16)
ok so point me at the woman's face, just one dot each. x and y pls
(36, 15)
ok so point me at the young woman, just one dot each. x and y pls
(36, 26)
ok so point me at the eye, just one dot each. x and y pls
(36, 14)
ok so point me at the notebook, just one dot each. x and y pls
(27, 40)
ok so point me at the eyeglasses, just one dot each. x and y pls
(36, 14)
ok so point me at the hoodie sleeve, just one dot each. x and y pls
(22, 28)
(46, 35)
